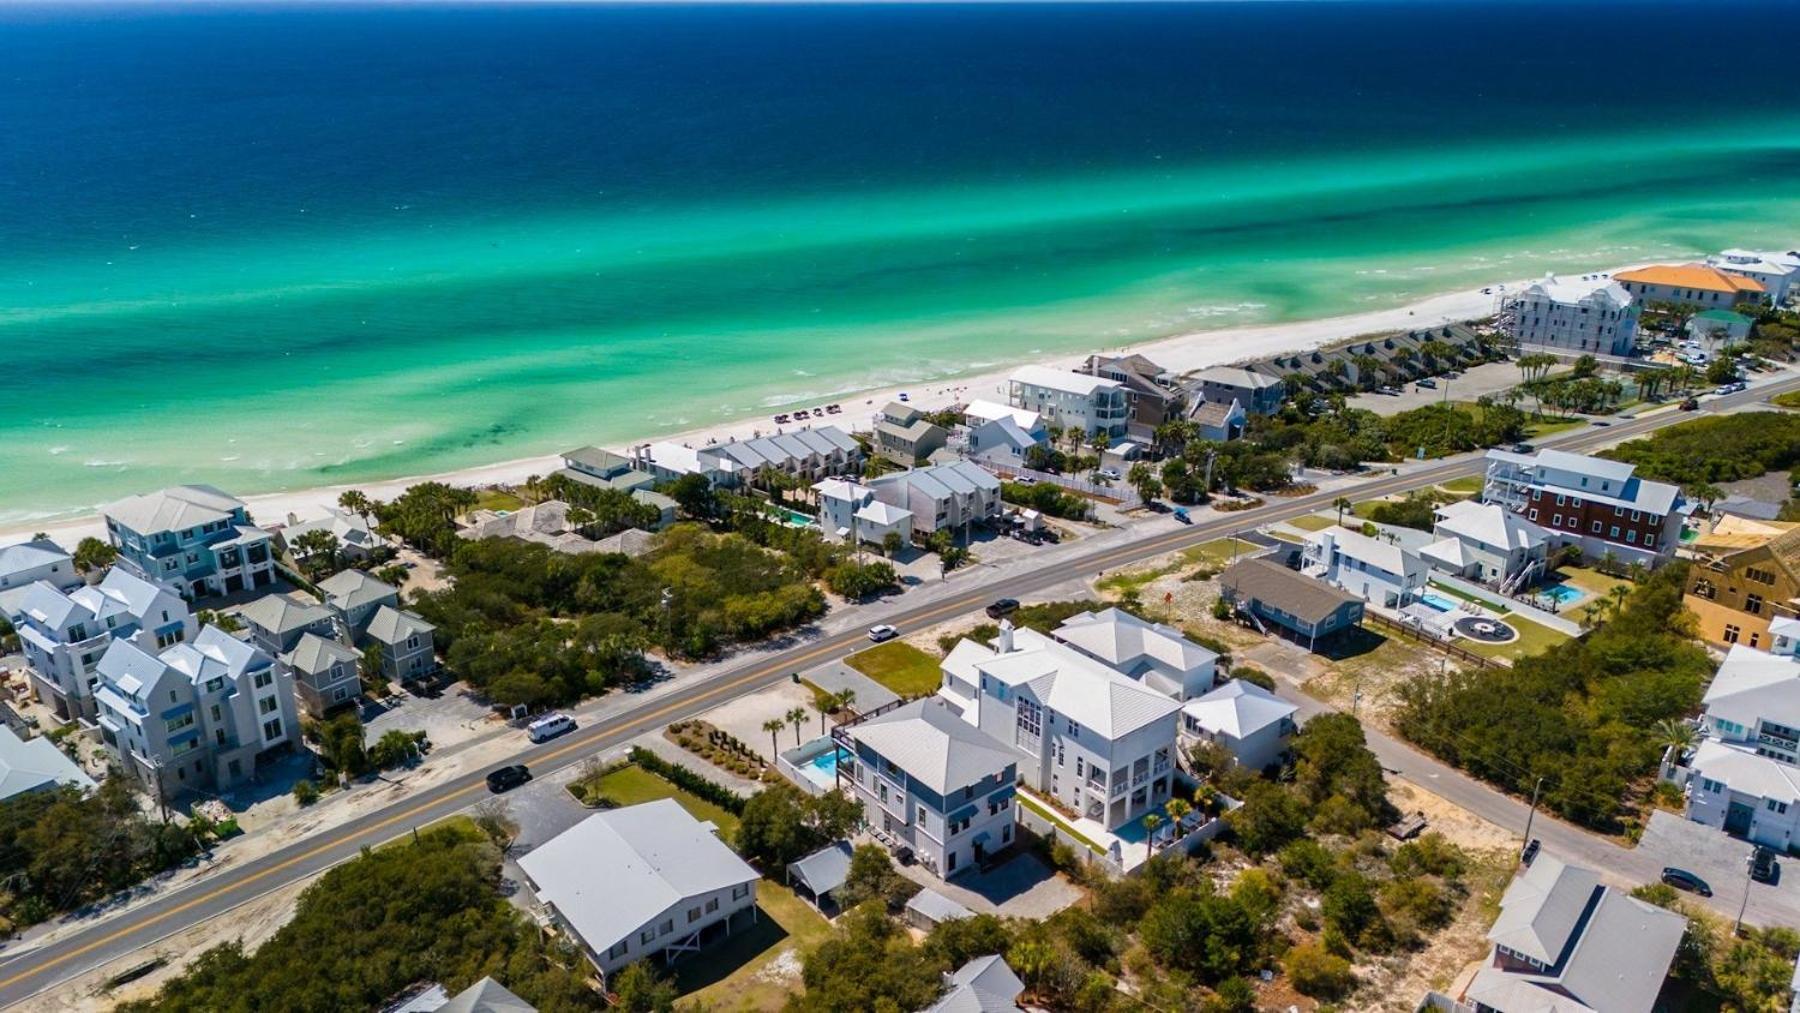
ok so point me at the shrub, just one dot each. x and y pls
(1254, 676)
(1316, 973)
(688, 781)
(305, 792)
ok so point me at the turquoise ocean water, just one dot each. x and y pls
(277, 247)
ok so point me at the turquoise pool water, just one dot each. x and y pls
(822, 769)
(1439, 602)
(1564, 594)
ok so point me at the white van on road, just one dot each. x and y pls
(549, 727)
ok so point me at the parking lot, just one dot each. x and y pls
(1720, 860)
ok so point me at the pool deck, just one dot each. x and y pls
(1518, 609)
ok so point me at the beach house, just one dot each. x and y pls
(1744, 775)
(325, 673)
(354, 597)
(849, 512)
(405, 640)
(193, 537)
(1592, 313)
(34, 765)
(640, 882)
(1699, 286)
(276, 622)
(1152, 392)
(1745, 576)
(931, 783)
(1257, 393)
(806, 454)
(40, 559)
(64, 633)
(1777, 271)
(1220, 421)
(944, 497)
(357, 542)
(1276, 598)
(198, 716)
(983, 985)
(1154, 655)
(1488, 543)
(904, 435)
(1092, 405)
(1251, 723)
(1098, 742)
(1599, 505)
(1377, 571)
(1566, 942)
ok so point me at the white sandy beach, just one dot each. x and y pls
(1182, 353)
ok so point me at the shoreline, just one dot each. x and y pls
(1181, 353)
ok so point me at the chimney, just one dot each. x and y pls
(1005, 641)
(293, 519)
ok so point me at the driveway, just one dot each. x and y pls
(1721, 860)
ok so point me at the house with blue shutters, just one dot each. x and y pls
(193, 537)
(932, 783)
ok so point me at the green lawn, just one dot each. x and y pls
(734, 974)
(631, 784)
(1057, 818)
(900, 667)
(1534, 638)
(1466, 485)
(1313, 522)
(1789, 400)
(1219, 551)
(1595, 583)
(462, 824)
(1136, 579)
(497, 499)
(1546, 426)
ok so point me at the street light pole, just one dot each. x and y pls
(1737, 927)
(1532, 814)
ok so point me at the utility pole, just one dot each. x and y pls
(1532, 814)
(1737, 927)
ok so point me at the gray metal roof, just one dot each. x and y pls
(936, 907)
(932, 744)
(825, 869)
(1294, 593)
(173, 509)
(392, 625)
(614, 872)
(279, 613)
(354, 588)
(35, 764)
(983, 985)
(314, 654)
(486, 996)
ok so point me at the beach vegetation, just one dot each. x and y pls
(1575, 714)
(61, 849)
(430, 909)
(859, 581)
(1722, 448)
(1047, 499)
(92, 555)
(424, 516)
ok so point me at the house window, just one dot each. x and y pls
(618, 949)
(1649, 540)
(272, 729)
(1533, 515)
(693, 915)
(1753, 604)
(1775, 807)
(666, 927)
(712, 905)
(646, 936)
(1031, 718)
(740, 891)
(1596, 527)
(1615, 532)
(1759, 576)
(264, 678)
(267, 705)
(1731, 634)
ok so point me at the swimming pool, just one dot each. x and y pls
(822, 769)
(1563, 594)
(1439, 602)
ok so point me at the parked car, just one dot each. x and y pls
(1110, 474)
(1531, 850)
(1003, 608)
(1520, 448)
(1691, 404)
(1388, 389)
(1181, 515)
(1681, 879)
(1025, 480)
(508, 778)
(1602, 423)
(1426, 381)
(1762, 865)
(549, 727)
(883, 632)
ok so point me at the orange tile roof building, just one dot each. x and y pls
(1694, 284)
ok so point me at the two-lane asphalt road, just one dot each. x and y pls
(35, 968)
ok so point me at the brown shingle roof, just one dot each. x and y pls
(1275, 585)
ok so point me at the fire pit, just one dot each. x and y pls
(1485, 630)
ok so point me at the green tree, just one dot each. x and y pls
(92, 554)
(640, 989)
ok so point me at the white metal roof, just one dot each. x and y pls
(30, 555)
(1490, 524)
(1131, 645)
(34, 764)
(990, 411)
(615, 872)
(1063, 380)
(1238, 709)
(1076, 686)
(1753, 684)
(1542, 907)
(1747, 772)
(935, 746)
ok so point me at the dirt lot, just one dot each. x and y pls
(1376, 667)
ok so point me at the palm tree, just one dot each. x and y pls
(93, 554)
(1342, 503)
(1151, 822)
(1675, 733)
(1031, 958)
(357, 502)
(1706, 493)
(1178, 810)
(797, 718)
(774, 726)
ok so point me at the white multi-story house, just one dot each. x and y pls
(406, 644)
(198, 716)
(1592, 313)
(1155, 655)
(641, 881)
(1253, 724)
(931, 782)
(1487, 542)
(1566, 942)
(1374, 570)
(357, 541)
(1097, 741)
(849, 511)
(807, 454)
(193, 537)
(1600, 505)
(1092, 404)
(27, 563)
(999, 434)
(1778, 272)
(65, 633)
(944, 497)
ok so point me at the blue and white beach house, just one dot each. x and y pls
(197, 539)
